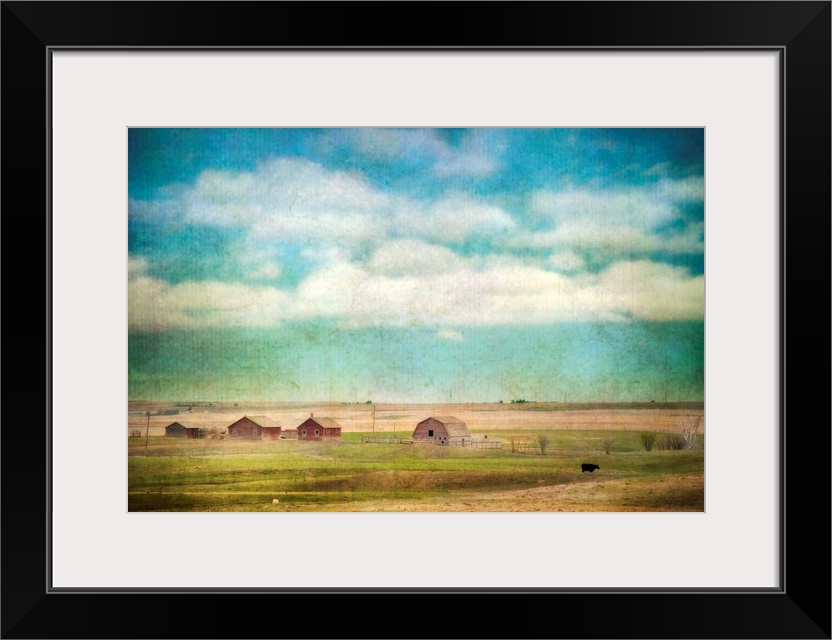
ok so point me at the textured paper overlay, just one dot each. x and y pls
(544, 287)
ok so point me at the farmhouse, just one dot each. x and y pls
(444, 430)
(177, 430)
(254, 427)
(319, 429)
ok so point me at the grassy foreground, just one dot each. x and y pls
(348, 475)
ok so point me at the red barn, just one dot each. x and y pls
(254, 427)
(443, 430)
(319, 429)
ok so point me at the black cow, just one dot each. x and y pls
(589, 467)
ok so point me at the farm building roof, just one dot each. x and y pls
(177, 424)
(328, 423)
(454, 426)
(263, 421)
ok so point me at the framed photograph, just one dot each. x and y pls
(494, 314)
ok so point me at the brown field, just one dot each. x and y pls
(402, 418)
(682, 493)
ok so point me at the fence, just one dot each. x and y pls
(471, 444)
(478, 444)
(380, 440)
(525, 447)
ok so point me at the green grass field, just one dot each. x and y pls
(348, 475)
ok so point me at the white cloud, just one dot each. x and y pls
(644, 206)
(475, 156)
(295, 200)
(408, 256)
(136, 266)
(450, 335)
(269, 270)
(493, 293)
(455, 217)
(501, 295)
(156, 305)
(613, 241)
(653, 291)
(565, 261)
(289, 198)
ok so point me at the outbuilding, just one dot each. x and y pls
(254, 427)
(319, 429)
(442, 430)
(176, 430)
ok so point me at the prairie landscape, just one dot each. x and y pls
(348, 475)
(369, 266)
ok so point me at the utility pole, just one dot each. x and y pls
(146, 433)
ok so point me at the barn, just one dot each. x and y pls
(319, 429)
(254, 427)
(176, 430)
(444, 430)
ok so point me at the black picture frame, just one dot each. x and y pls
(799, 608)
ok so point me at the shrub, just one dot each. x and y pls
(648, 439)
(542, 443)
(672, 442)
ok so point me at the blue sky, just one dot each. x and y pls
(405, 264)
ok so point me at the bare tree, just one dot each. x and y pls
(690, 429)
(542, 443)
(607, 443)
(648, 439)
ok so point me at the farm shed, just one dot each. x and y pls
(254, 427)
(176, 430)
(319, 429)
(442, 430)
(289, 434)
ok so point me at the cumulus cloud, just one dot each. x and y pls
(409, 256)
(269, 270)
(611, 240)
(501, 295)
(476, 155)
(296, 200)
(156, 305)
(617, 221)
(565, 261)
(136, 266)
(641, 207)
(383, 292)
(453, 218)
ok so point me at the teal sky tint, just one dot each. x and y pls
(570, 363)
(397, 264)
